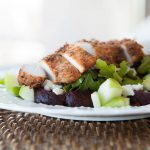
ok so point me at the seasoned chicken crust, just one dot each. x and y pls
(27, 79)
(79, 57)
(62, 70)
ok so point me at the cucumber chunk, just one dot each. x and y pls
(26, 93)
(10, 81)
(109, 90)
(95, 99)
(118, 102)
(146, 82)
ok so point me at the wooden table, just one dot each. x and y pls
(26, 131)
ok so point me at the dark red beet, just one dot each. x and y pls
(140, 98)
(71, 99)
(79, 98)
(49, 97)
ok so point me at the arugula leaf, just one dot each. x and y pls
(93, 78)
(100, 64)
(110, 71)
(145, 65)
(89, 83)
(124, 74)
(94, 74)
(85, 82)
(123, 69)
(105, 70)
(127, 80)
(117, 77)
(67, 87)
(74, 85)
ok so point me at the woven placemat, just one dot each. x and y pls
(26, 131)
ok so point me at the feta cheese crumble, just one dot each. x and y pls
(49, 85)
(128, 90)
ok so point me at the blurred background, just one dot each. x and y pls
(30, 29)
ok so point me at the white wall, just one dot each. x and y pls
(69, 20)
(54, 21)
(51, 23)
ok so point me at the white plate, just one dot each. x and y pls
(10, 102)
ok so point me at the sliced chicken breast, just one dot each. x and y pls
(59, 69)
(87, 46)
(113, 52)
(78, 57)
(132, 50)
(109, 51)
(31, 75)
(67, 64)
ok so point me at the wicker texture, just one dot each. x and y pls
(25, 131)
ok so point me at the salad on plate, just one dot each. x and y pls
(87, 73)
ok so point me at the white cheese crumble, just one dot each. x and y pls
(128, 90)
(49, 85)
(58, 91)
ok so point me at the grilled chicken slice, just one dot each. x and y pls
(108, 51)
(113, 52)
(87, 46)
(132, 50)
(59, 70)
(78, 57)
(31, 75)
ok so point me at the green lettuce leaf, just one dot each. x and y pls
(127, 80)
(88, 81)
(131, 74)
(123, 69)
(93, 78)
(117, 77)
(124, 74)
(105, 70)
(145, 65)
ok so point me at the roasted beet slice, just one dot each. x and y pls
(140, 98)
(79, 98)
(71, 99)
(49, 97)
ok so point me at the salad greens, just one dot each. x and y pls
(88, 80)
(145, 65)
(124, 74)
(92, 79)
